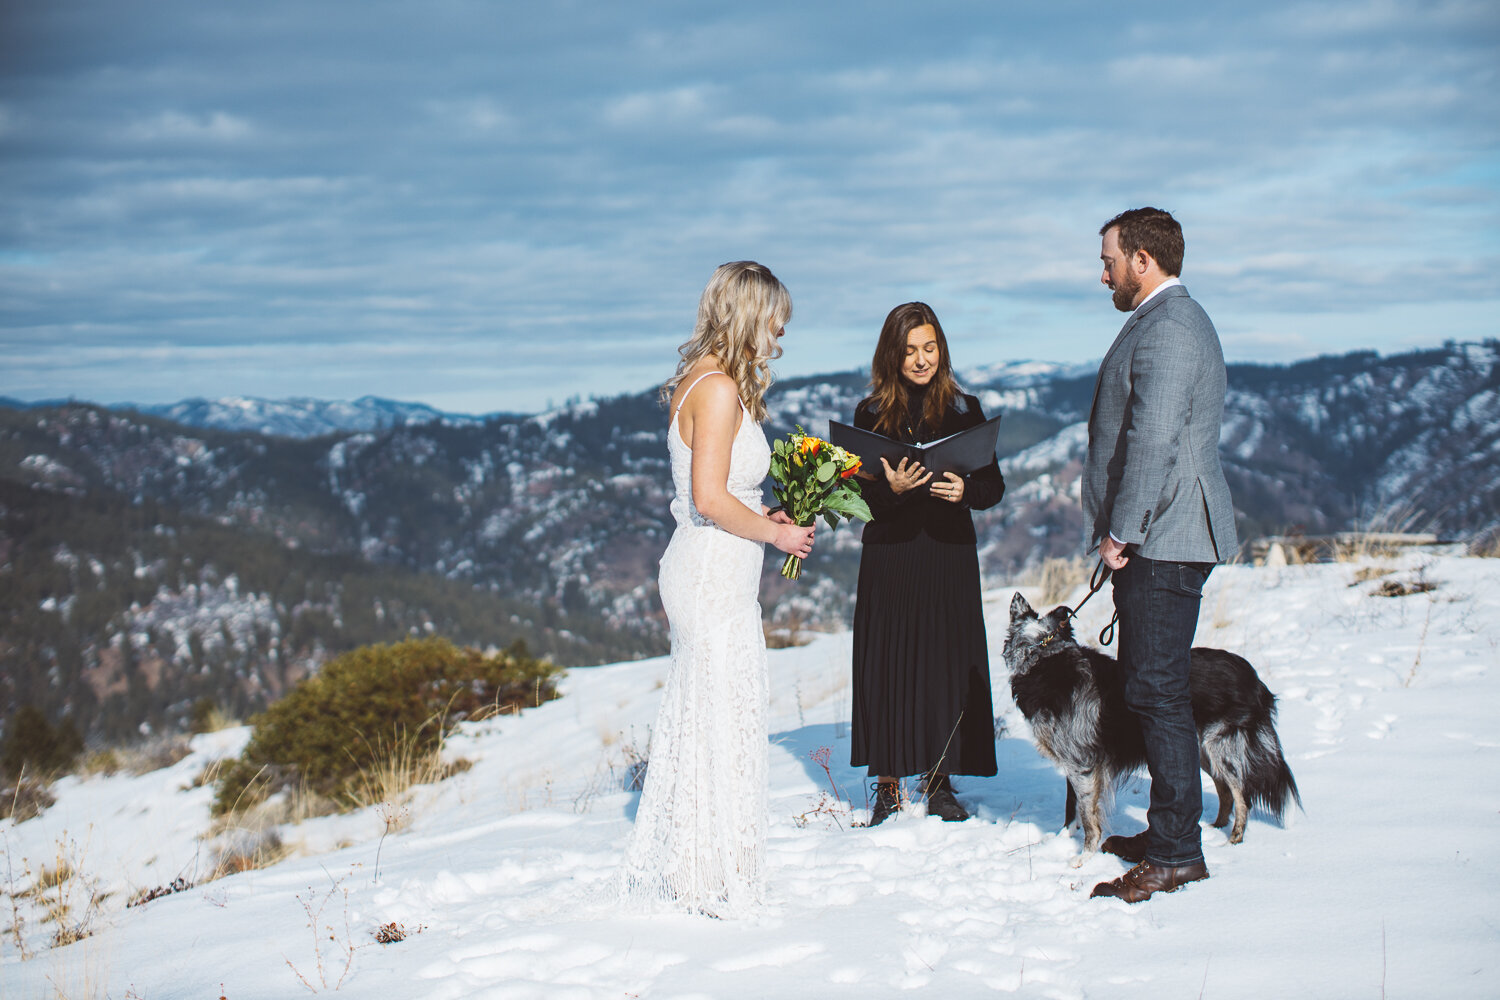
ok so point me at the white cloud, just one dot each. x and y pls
(473, 114)
(674, 106)
(561, 182)
(177, 126)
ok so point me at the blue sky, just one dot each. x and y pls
(490, 206)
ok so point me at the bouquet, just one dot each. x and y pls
(810, 477)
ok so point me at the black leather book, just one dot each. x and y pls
(962, 453)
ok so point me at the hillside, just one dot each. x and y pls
(144, 563)
(500, 882)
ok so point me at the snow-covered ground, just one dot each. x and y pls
(1388, 885)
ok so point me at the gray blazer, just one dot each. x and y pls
(1152, 476)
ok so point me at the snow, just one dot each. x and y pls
(1025, 373)
(1067, 444)
(1387, 885)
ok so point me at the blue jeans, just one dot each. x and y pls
(1158, 605)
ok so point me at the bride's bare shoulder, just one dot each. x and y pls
(697, 388)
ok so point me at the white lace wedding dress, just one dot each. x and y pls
(700, 829)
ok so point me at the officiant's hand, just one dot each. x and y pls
(904, 477)
(951, 488)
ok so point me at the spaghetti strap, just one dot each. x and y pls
(690, 388)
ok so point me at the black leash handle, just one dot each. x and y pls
(1107, 633)
(1096, 582)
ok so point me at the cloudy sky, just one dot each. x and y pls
(493, 206)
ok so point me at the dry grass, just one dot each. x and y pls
(399, 766)
(784, 637)
(27, 799)
(337, 955)
(214, 720)
(1221, 617)
(788, 630)
(389, 784)
(1486, 546)
(251, 839)
(84, 977)
(17, 921)
(68, 898)
(244, 850)
(98, 763)
(141, 758)
(211, 772)
(1382, 536)
(1055, 579)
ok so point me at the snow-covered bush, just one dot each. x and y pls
(374, 703)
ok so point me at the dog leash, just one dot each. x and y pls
(1096, 582)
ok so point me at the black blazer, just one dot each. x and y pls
(900, 518)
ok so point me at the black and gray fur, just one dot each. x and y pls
(1074, 698)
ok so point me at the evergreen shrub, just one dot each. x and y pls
(370, 704)
(34, 747)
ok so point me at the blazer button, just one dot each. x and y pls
(1145, 520)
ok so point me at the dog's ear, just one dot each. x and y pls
(1019, 608)
(1061, 618)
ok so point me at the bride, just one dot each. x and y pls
(700, 829)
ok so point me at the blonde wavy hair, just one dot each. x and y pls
(739, 313)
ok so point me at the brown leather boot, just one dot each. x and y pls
(1132, 848)
(1146, 880)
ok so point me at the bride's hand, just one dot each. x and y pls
(779, 516)
(793, 539)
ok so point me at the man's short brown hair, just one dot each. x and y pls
(1151, 230)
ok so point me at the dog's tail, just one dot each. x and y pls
(1268, 780)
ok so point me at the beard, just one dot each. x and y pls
(1126, 291)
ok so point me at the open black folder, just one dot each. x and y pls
(962, 453)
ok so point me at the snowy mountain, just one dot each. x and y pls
(117, 529)
(300, 417)
(1383, 887)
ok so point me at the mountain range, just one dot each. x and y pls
(222, 549)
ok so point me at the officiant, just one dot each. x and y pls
(921, 676)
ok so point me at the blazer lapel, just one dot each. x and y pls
(1130, 325)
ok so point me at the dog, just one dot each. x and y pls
(1074, 698)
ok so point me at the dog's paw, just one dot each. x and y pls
(1082, 859)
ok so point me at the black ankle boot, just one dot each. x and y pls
(887, 801)
(941, 803)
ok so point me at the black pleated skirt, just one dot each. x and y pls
(921, 680)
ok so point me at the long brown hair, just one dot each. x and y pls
(889, 391)
(739, 313)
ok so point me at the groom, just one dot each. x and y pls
(1156, 503)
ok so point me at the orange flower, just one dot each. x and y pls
(809, 445)
(850, 471)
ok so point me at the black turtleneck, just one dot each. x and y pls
(899, 518)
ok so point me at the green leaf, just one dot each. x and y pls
(850, 506)
(831, 518)
(826, 472)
